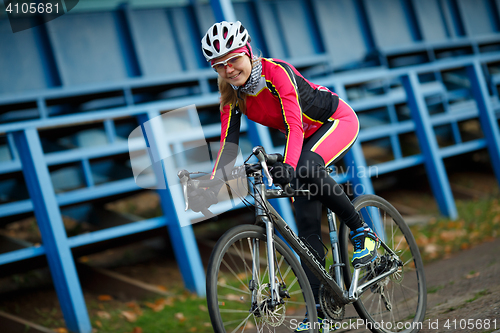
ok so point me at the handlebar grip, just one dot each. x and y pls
(274, 158)
(209, 214)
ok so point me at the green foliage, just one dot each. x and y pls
(180, 313)
(479, 221)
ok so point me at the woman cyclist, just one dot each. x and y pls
(319, 127)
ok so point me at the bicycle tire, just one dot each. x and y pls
(404, 289)
(228, 279)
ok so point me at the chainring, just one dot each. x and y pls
(331, 310)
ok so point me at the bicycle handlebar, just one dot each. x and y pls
(265, 160)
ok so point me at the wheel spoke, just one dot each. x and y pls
(401, 296)
(241, 306)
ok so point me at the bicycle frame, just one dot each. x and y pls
(265, 213)
(273, 219)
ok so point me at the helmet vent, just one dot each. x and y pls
(207, 52)
(208, 41)
(230, 42)
(214, 31)
(224, 32)
(217, 45)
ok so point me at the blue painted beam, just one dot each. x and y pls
(487, 116)
(51, 227)
(394, 165)
(16, 207)
(180, 231)
(22, 254)
(361, 175)
(85, 239)
(223, 10)
(115, 232)
(428, 145)
(170, 104)
(462, 148)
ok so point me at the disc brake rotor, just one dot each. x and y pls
(274, 317)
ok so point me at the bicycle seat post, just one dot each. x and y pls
(334, 241)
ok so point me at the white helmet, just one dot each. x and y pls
(223, 38)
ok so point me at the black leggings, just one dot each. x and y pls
(311, 174)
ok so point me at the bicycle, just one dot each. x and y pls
(256, 283)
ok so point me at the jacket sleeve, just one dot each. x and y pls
(288, 94)
(229, 139)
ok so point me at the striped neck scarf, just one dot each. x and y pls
(252, 81)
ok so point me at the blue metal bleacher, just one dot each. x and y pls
(423, 77)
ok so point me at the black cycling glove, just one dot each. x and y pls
(282, 173)
(201, 199)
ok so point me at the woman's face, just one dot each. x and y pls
(234, 68)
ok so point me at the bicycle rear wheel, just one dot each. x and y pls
(397, 303)
(239, 303)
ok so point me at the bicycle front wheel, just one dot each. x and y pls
(238, 285)
(396, 303)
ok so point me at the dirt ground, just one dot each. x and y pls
(463, 292)
(463, 287)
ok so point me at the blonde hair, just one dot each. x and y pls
(229, 96)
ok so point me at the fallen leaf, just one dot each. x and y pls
(155, 307)
(203, 308)
(103, 315)
(450, 235)
(431, 250)
(135, 307)
(472, 275)
(163, 288)
(180, 317)
(165, 301)
(105, 297)
(98, 323)
(193, 329)
(464, 246)
(61, 330)
(130, 316)
(137, 330)
(249, 325)
(232, 297)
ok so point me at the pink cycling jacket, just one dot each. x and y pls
(283, 100)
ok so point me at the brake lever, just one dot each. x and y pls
(184, 177)
(260, 153)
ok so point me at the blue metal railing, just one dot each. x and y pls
(388, 91)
